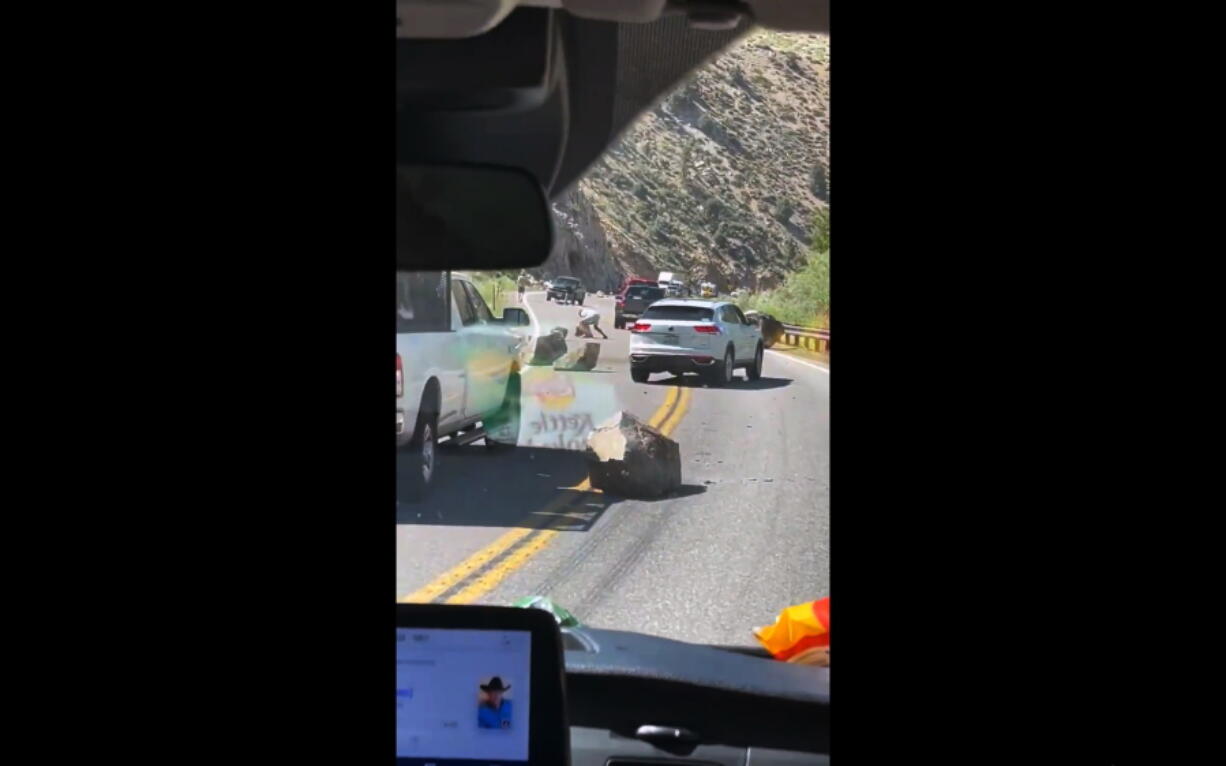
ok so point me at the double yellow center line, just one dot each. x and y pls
(476, 574)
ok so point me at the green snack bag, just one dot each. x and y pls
(564, 618)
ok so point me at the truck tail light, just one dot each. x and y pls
(707, 329)
(399, 377)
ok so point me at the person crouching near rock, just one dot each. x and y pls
(589, 319)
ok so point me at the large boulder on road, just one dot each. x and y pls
(549, 347)
(629, 458)
(771, 328)
(580, 360)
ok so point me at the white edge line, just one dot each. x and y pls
(799, 361)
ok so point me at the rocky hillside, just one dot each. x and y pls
(719, 181)
(581, 246)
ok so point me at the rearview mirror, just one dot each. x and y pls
(470, 217)
(515, 317)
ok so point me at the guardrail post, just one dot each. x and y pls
(808, 338)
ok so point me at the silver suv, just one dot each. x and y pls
(711, 338)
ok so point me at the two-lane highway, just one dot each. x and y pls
(747, 534)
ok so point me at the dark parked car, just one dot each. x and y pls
(566, 290)
(632, 304)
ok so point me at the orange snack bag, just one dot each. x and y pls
(801, 634)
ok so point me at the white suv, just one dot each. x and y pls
(711, 338)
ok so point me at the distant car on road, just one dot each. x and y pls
(632, 304)
(442, 324)
(566, 290)
(711, 338)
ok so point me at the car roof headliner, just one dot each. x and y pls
(607, 73)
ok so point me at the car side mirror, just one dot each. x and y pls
(515, 317)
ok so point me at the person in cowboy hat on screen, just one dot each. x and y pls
(494, 712)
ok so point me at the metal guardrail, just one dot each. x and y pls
(812, 338)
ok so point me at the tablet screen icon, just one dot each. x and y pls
(494, 708)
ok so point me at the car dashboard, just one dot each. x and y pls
(643, 700)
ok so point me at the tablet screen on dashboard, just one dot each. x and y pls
(463, 696)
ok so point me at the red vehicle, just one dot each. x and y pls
(621, 291)
(630, 282)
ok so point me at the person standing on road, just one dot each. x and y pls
(589, 319)
(522, 284)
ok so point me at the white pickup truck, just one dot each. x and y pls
(457, 371)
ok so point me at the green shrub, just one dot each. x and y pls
(821, 231)
(803, 298)
(497, 289)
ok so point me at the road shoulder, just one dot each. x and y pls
(813, 358)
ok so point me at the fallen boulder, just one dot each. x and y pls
(629, 458)
(771, 328)
(549, 347)
(772, 331)
(580, 360)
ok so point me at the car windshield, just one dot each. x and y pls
(664, 479)
(680, 313)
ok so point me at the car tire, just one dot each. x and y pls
(721, 373)
(754, 371)
(639, 376)
(507, 416)
(422, 453)
(619, 324)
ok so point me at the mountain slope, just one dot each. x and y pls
(721, 179)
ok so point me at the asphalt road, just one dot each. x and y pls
(747, 535)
